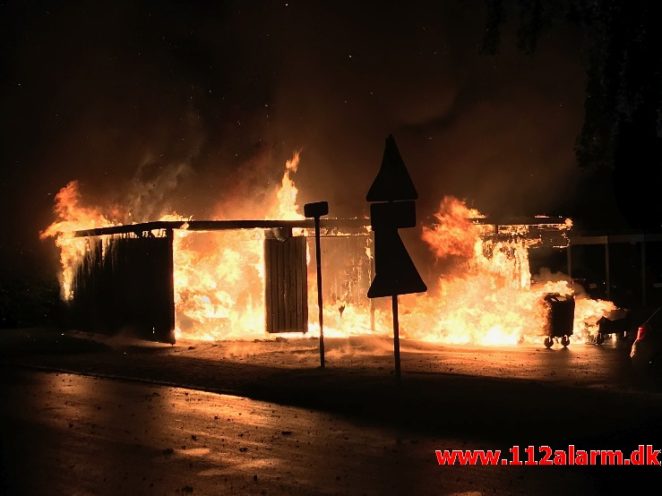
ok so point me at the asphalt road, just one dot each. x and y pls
(582, 365)
(296, 429)
(75, 435)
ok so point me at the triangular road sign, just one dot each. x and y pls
(395, 273)
(392, 182)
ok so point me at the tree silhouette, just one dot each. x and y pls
(622, 128)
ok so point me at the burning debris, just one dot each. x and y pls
(483, 291)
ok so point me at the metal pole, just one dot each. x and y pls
(320, 305)
(396, 336)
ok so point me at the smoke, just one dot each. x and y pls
(183, 106)
(148, 194)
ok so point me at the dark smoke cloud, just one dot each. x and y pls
(175, 103)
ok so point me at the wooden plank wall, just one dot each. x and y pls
(286, 285)
(129, 289)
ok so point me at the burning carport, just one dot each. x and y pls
(126, 278)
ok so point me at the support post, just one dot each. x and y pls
(316, 210)
(171, 283)
(372, 316)
(320, 303)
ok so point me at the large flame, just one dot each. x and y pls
(285, 206)
(218, 283)
(72, 215)
(483, 292)
(219, 277)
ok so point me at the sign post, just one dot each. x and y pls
(392, 195)
(317, 210)
(396, 335)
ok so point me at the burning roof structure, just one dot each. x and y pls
(216, 279)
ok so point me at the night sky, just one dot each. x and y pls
(191, 96)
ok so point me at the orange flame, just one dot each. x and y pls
(219, 277)
(285, 206)
(71, 216)
(454, 234)
(483, 293)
